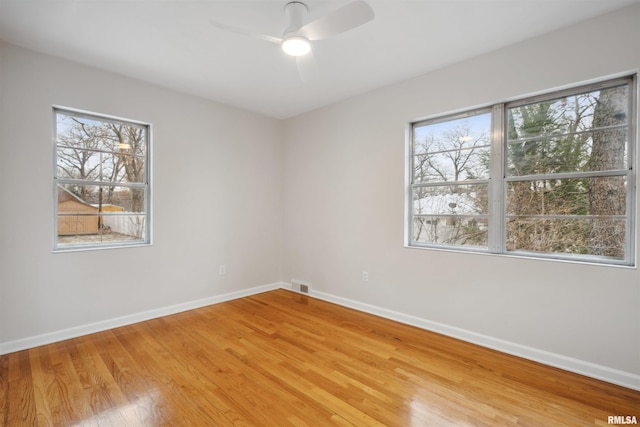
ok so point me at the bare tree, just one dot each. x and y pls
(77, 155)
(130, 142)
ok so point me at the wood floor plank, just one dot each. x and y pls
(285, 359)
(4, 390)
(20, 402)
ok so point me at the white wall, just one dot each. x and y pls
(344, 209)
(217, 199)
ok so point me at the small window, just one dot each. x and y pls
(552, 176)
(101, 181)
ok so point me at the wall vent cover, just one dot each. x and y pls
(300, 286)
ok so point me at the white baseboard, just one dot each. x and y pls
(604, 373)
(77, 331)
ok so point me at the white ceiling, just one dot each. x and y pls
(173, 44)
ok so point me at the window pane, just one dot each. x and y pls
(598, 236)
(100, 214)
(451, 230)
(89, 198)
(108, 228)
(452, 150)
(459, 165)
(594, 151)
(569, 114)
(586, 196)
(101, 135)
(75, 163)
(451, 200)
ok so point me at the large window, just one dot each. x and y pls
(101, 181)
(552, 176)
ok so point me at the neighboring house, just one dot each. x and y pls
(69, 203)
(71, 225)
(456, 217)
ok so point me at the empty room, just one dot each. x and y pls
(319, 213)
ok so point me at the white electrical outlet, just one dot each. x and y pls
(365, 276)
(222, 270)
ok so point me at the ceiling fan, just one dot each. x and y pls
(298, 35)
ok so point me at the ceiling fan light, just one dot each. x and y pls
(296, 45)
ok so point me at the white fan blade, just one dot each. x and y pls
(244, 32)
(338, 21)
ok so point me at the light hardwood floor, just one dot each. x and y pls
(283, 359)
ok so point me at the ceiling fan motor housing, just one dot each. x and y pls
(297, 12)
(295, 43)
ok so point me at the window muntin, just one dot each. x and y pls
(561, 183)
(101, 181)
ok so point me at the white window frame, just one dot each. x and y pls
(145, 184)
(498, 181)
